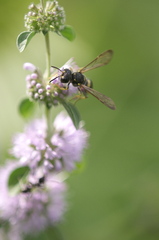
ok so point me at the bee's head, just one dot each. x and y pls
(66, 76)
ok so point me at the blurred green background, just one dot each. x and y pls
(117, 195)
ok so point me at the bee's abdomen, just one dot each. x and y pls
(88, 83)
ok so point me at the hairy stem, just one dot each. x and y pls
(47, 74)
(42, 3)
(48, 55)
(47, 44)
(49, 124)
(46, 77)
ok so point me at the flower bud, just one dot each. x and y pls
(29, 66)
(51, 18)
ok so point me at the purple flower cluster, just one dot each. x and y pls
(39, 89)
(60, 152)
(30, 213)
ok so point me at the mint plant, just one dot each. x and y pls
(33, 186)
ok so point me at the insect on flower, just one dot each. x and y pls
(84, 84)
(28, 188)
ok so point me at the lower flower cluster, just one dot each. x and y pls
(29, 213)
(40, 201)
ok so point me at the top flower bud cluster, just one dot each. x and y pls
(50, 18)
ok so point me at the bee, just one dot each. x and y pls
(84, 84)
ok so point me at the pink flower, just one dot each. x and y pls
(60, 152)
(32, 212)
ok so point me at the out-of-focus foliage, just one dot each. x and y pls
(117, 195)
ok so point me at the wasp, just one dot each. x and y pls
(84, 84)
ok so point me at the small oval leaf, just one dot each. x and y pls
(68, 32)
(73, 113)
(23, 39)
(26, 108)
(17, 175)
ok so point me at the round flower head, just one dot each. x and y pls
(30, 212)
(50, 18)
(60, 152)
(39, 89)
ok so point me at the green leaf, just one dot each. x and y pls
(73, 113)
(68, 32)
(17, 175)
(23, 39)
(26, 108)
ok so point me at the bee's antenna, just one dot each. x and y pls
(57, 76)
(53, 79)
(56, 68)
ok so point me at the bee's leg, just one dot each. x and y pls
(82, 92)
(81, 95)
(77, 98)
(65, 87)
(68, 85)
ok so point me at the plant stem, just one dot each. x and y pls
(47, 74)
(47, 42)
(49, 124)
(42, 3)
(46, 78)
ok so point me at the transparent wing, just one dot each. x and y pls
(69, 63)
(103, 59)
(101, 97)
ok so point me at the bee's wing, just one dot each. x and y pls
(103, 59)
(70, 62)
(101, 97)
